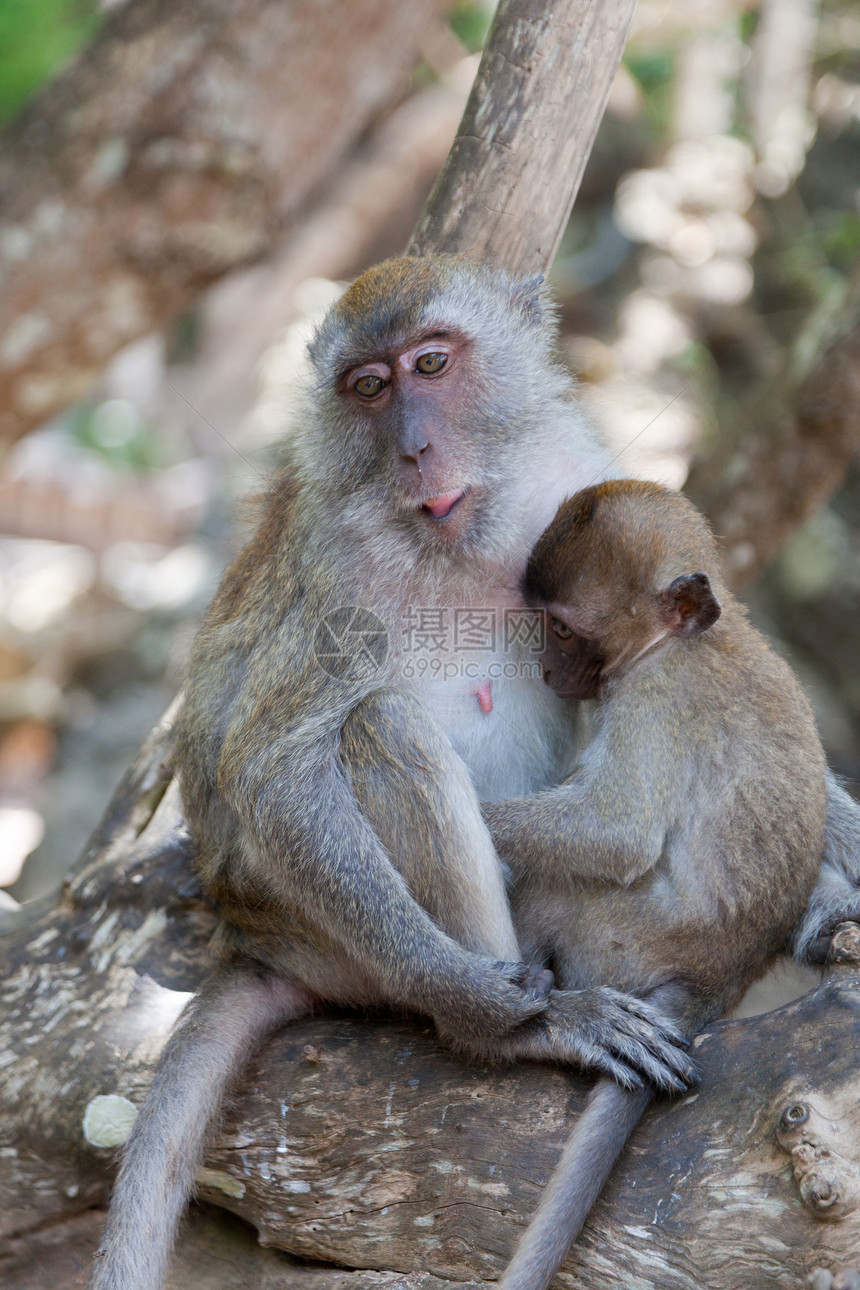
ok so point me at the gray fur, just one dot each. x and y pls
(276, 756)
(836, 896)
(222, 1025)
(271, 748)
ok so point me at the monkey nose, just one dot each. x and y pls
(413, 451)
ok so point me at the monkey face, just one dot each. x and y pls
(411, 400)
(595, 615)
(572, 664)
(432, 374)
(605, 572)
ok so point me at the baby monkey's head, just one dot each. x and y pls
(624, 566)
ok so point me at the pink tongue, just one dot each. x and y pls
(439, 507)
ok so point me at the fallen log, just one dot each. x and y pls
(362, 1143)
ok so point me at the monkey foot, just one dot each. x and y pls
(619, 1035)
(837, 942)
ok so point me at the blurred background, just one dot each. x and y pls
(166, 235)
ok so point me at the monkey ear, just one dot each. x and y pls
(526, 296)
(689, 607)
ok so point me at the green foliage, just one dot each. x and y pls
(470, 23)
(842, 240)
(117, 433)
(748, 20)
(36, 37)
(654, 71)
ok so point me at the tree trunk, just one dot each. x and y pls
(788, 447)
(508, 186)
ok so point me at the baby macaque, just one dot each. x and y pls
(676, 859)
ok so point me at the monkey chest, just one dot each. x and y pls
(514, 735)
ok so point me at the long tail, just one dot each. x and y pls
(216, 1035)
(609, 1117)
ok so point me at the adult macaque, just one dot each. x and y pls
(332, 785)
(678, 856)
(332, 795)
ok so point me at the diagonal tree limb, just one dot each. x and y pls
(508, 186)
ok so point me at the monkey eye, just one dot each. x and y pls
(561, 630)
(427, 364)
(367, 387)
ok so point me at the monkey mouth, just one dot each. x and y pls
(442, 506)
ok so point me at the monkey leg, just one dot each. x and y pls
(417, 794)
(836, 895)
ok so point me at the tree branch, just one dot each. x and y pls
(365, 1145)
(508, 186)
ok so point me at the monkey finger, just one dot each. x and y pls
(659, 1064)
(646, 1012)
(639, 1042)
(591, 1052)
(530, 977)
(659, 1075)
(537, 980)
(665, 1065)
(639, 1038)
(628, 1016)
(584, 1028)
(599, 1059)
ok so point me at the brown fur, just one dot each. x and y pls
(677, 858)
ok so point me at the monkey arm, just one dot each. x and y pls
(322, 858)
(356, 892)
(573, 833)
(606, 822)
(374, 847)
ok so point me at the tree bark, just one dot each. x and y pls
(360, 1143)
(183, 142)
(508, 186)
